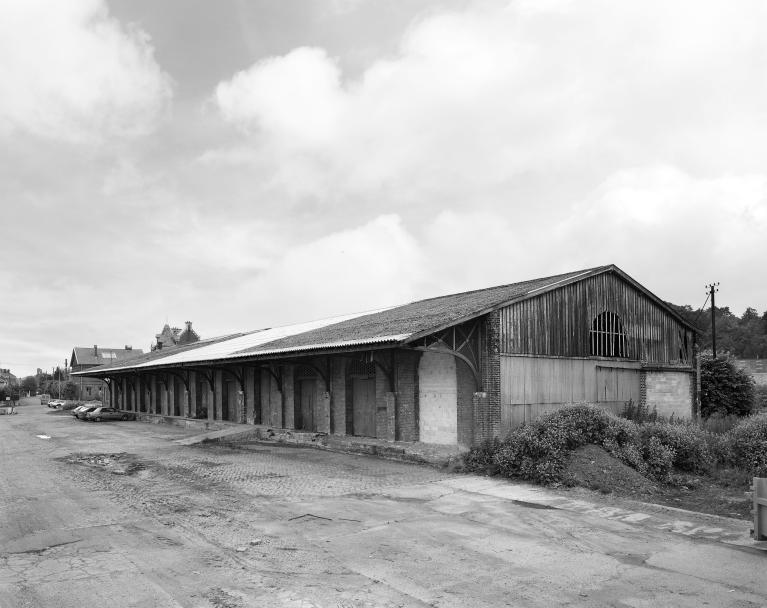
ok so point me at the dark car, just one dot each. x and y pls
(105, 413)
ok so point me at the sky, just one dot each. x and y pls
(246, 164)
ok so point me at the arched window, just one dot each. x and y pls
(607, 336)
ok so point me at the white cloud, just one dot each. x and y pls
(538, 136)
(365, 267)
(69, 71)
(499, 92)
(296, 97)
(675, 232)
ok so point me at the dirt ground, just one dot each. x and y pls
(723, 493)
(118, 514)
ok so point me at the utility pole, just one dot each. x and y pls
(712, 289)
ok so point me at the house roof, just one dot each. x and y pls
(84, 355)
(394, 325)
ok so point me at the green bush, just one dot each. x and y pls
(745, 446)
(480, 459)
(690, 444)
(718, 425)
(760, 398)
(724, 389)
(659, 458)
(540, 451)
(636, 412)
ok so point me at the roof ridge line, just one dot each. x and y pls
(461, 293)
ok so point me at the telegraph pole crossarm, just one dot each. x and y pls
(712, 289)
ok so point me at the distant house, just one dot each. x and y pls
(174, 336)
(84, 358)
(6, 378)
(453, 369)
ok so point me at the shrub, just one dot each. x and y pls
(480, 459)
(539, 451)
(745, 446)
(659, 458)
(639, 413)
(717, 424)
(724, 389)
(760, 398)
(690, 444)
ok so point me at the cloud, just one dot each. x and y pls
(371, 265)
(296, 97)
(522, 138)
(674, 232)
(498, 93)
(71, 72)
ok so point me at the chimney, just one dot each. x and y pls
(95, 350)
(128, 347)
(188, 326)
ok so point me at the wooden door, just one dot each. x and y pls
(177, 388)
(616, 386)
(224, 399)
(364, 406)
(304, 411)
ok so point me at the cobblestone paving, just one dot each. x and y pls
(298, 472)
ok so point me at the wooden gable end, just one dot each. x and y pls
(562, 323)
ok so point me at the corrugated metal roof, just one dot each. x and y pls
(390, 325)
(240, 345)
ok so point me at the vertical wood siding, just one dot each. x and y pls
(557, 323)
(532, 386)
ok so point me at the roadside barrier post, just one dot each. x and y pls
(760, 508)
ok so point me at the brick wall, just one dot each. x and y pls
(466, 387)
(272, 400)
(669, 392)
(487, 412)
(287, 405)
(382, 388)
(338, 396)
(407, 395)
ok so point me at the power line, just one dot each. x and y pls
(700, 310)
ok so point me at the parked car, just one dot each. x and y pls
(106, 413)
(81, 415)
(56, 403)
(82, 407)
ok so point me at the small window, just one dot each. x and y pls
(607, 336)
(304, 372)
(361, 368)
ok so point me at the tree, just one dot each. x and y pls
(29, 384)
(69, 390)
(724, 388)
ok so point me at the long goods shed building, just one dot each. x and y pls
(455, 369)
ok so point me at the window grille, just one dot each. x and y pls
(361, 368)
(607, 336)
(305, 372)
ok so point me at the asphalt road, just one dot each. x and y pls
(117, 514)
